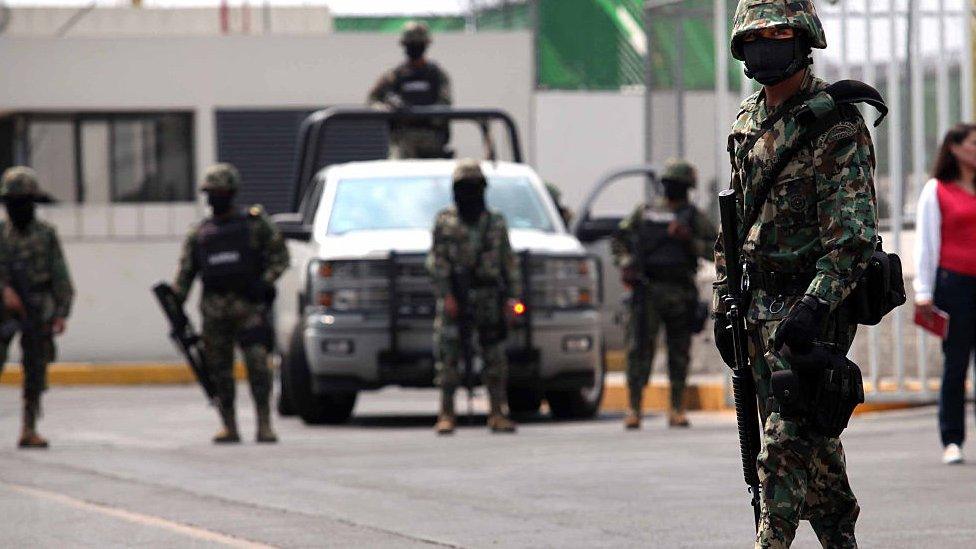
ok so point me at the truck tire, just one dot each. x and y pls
(580, 403)
(314, 409)
(524, 401)
(286, 407)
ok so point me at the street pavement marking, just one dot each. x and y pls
(137, 518)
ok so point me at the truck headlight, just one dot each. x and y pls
(340, 300)
(577, 343)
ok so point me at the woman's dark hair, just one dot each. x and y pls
(946, 166)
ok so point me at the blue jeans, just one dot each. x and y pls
(955, 294)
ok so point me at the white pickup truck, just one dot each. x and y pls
(365, 304)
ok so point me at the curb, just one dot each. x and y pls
(705, 394)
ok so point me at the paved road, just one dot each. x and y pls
(134, 466)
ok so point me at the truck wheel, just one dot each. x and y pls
(286, 407)
(580, 403)
(314, 409)
(523, 401)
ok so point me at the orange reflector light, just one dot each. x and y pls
(325, 299)
(325, 270)
(584, 297)
(584, 268)
(518, 308)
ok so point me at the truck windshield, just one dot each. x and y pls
(366, 204)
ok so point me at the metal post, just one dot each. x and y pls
(679, 86)
(942, 74)
(896, 176)
(845, 66)
(722, 121)
(648, 88)
(966, 74)
(871, 77)
(918, 138)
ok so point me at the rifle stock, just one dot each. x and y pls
(743, 385)
(460, 286)
(185, 337)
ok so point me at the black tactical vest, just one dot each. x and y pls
(663, 256)
(226, 257)
(418, 86)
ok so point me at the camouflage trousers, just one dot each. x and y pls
(447, 356)
(672, 306)
(35, 358)
(407, 143)
(803, 475)
(228, 320)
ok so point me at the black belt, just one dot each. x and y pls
(780, 283)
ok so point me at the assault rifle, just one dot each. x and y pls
(638, 297)
(743, 386)
(186, 338)
(460, 286)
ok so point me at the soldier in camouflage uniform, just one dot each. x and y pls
(417, 82)
(239, 254)
(671, 234)
(812, 238)
(470, 241)
(31, 252)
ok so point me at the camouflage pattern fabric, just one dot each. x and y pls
(681, 171)
(670, 303)
(485, 251)
(820, 218)
(19, 181)
(229, 318)
(221, 177)
(47, 271)
(753, 15)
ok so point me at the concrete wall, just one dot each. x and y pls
(116, 252)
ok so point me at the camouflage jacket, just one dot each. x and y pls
(820, 216)
(265, 238)
(39, 249)
(483, 250)
(702, 234)
(386, 84)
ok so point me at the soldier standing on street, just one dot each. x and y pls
(239, 254)
(471, 242)
(670, 236)
(417, 82)
(31, 262)
(806, 241)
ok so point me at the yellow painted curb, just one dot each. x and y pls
(138, 373)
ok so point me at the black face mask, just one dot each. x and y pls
(770, 61)
(220, 204)
(675, 191)
(415, 51)
(470, 201)
(20, 211)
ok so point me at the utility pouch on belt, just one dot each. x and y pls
(823, 387)
(880, 289)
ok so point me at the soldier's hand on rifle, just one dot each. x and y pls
(679, 230)
(628, 275)
(58, 326)
(12, 302)
(802, 326)
(451, 306)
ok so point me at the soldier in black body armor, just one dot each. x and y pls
(417, 82)
(657, 249)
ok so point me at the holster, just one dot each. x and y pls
(822, 388)
(879, 290)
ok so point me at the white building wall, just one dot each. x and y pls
(115, 318)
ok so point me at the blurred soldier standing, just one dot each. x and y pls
(239, 254)
(803, 251)
(670, 235)
(472, 242)
(31, 257)
(417, 82)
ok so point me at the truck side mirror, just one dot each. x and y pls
(292, 226)
(590, 230)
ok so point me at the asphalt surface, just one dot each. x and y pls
(134, 467)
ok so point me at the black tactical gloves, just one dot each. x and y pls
(802, 325)
(723, 339)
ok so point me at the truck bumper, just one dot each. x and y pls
(352, 352)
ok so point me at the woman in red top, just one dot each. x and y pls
(945, 273)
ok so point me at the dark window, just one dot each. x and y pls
(106, 157)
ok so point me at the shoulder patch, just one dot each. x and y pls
(840, 132)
